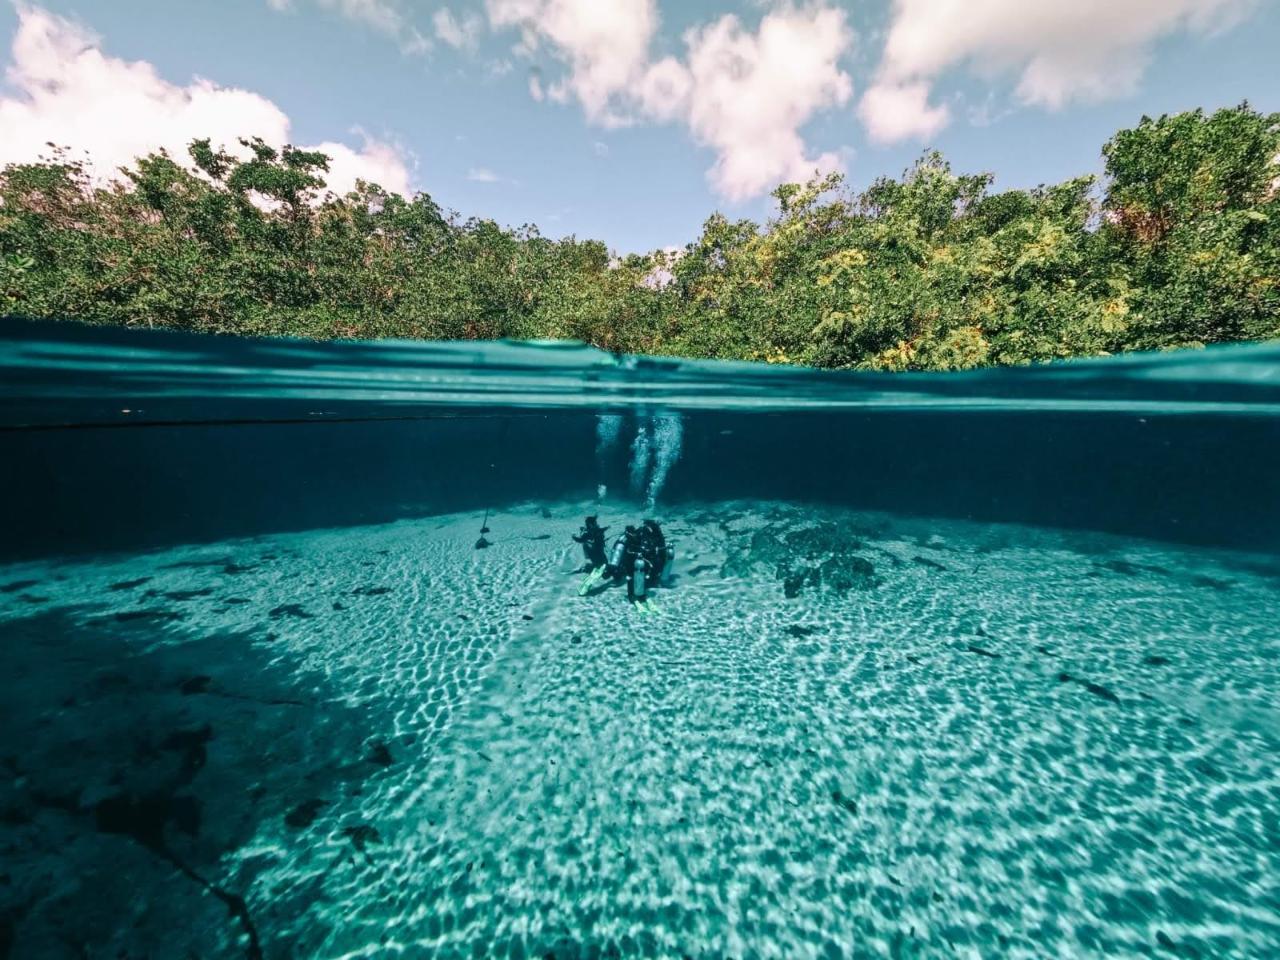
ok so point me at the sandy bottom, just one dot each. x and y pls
(839, 734)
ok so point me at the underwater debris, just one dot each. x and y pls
(194, 685)
(129, 584)
(184, 595)
(304, 814)
(1097, 689)
(361, 835)
(291, 610)
(380, 754)
(157, 616)
(845, 803)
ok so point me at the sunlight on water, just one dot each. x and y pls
(919, 685)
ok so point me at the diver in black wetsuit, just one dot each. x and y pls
(623, 556)
(591, 536)
(654, 549)
(639, 557)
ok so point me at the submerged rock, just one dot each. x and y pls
(370, 591)
(823, 556)
(482, 543)
(17, 585)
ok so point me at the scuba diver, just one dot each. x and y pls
(591, 536)
(640, 557)
(653, 545)
(620, 561)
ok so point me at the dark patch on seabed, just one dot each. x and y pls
(133, 765)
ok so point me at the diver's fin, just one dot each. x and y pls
(591, 580)
(651, 606)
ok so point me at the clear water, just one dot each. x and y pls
(977, 666)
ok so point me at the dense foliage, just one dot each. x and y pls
(1179, 244)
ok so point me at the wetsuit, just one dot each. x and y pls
(654, 549)
(592, 539)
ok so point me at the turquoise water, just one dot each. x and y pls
(983, 665)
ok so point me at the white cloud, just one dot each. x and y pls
(898, 111)
(461, 34)
(745, 94)
(749, 94)
(1060, 50)
(385, 16)
(67, 91)
(601, 148)
(535, 86)
(483, 175)
(604, 45)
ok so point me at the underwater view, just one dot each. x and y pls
(367, 650)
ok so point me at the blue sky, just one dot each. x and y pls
(652, 113)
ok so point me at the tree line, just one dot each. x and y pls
(1177, 244)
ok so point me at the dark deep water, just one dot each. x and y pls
(971, 664)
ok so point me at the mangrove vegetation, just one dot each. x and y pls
(1177, 244)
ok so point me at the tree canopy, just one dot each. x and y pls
(1178, 244)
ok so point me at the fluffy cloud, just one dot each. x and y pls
(1060, 51)
(744, 94)
(749, 94)
(604, 45)
(67, 91)
(898, 111)
(483, 175)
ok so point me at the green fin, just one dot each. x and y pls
(592, 578)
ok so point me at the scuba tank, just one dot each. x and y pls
(618, 553)
(638, 578)
(668, 561)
